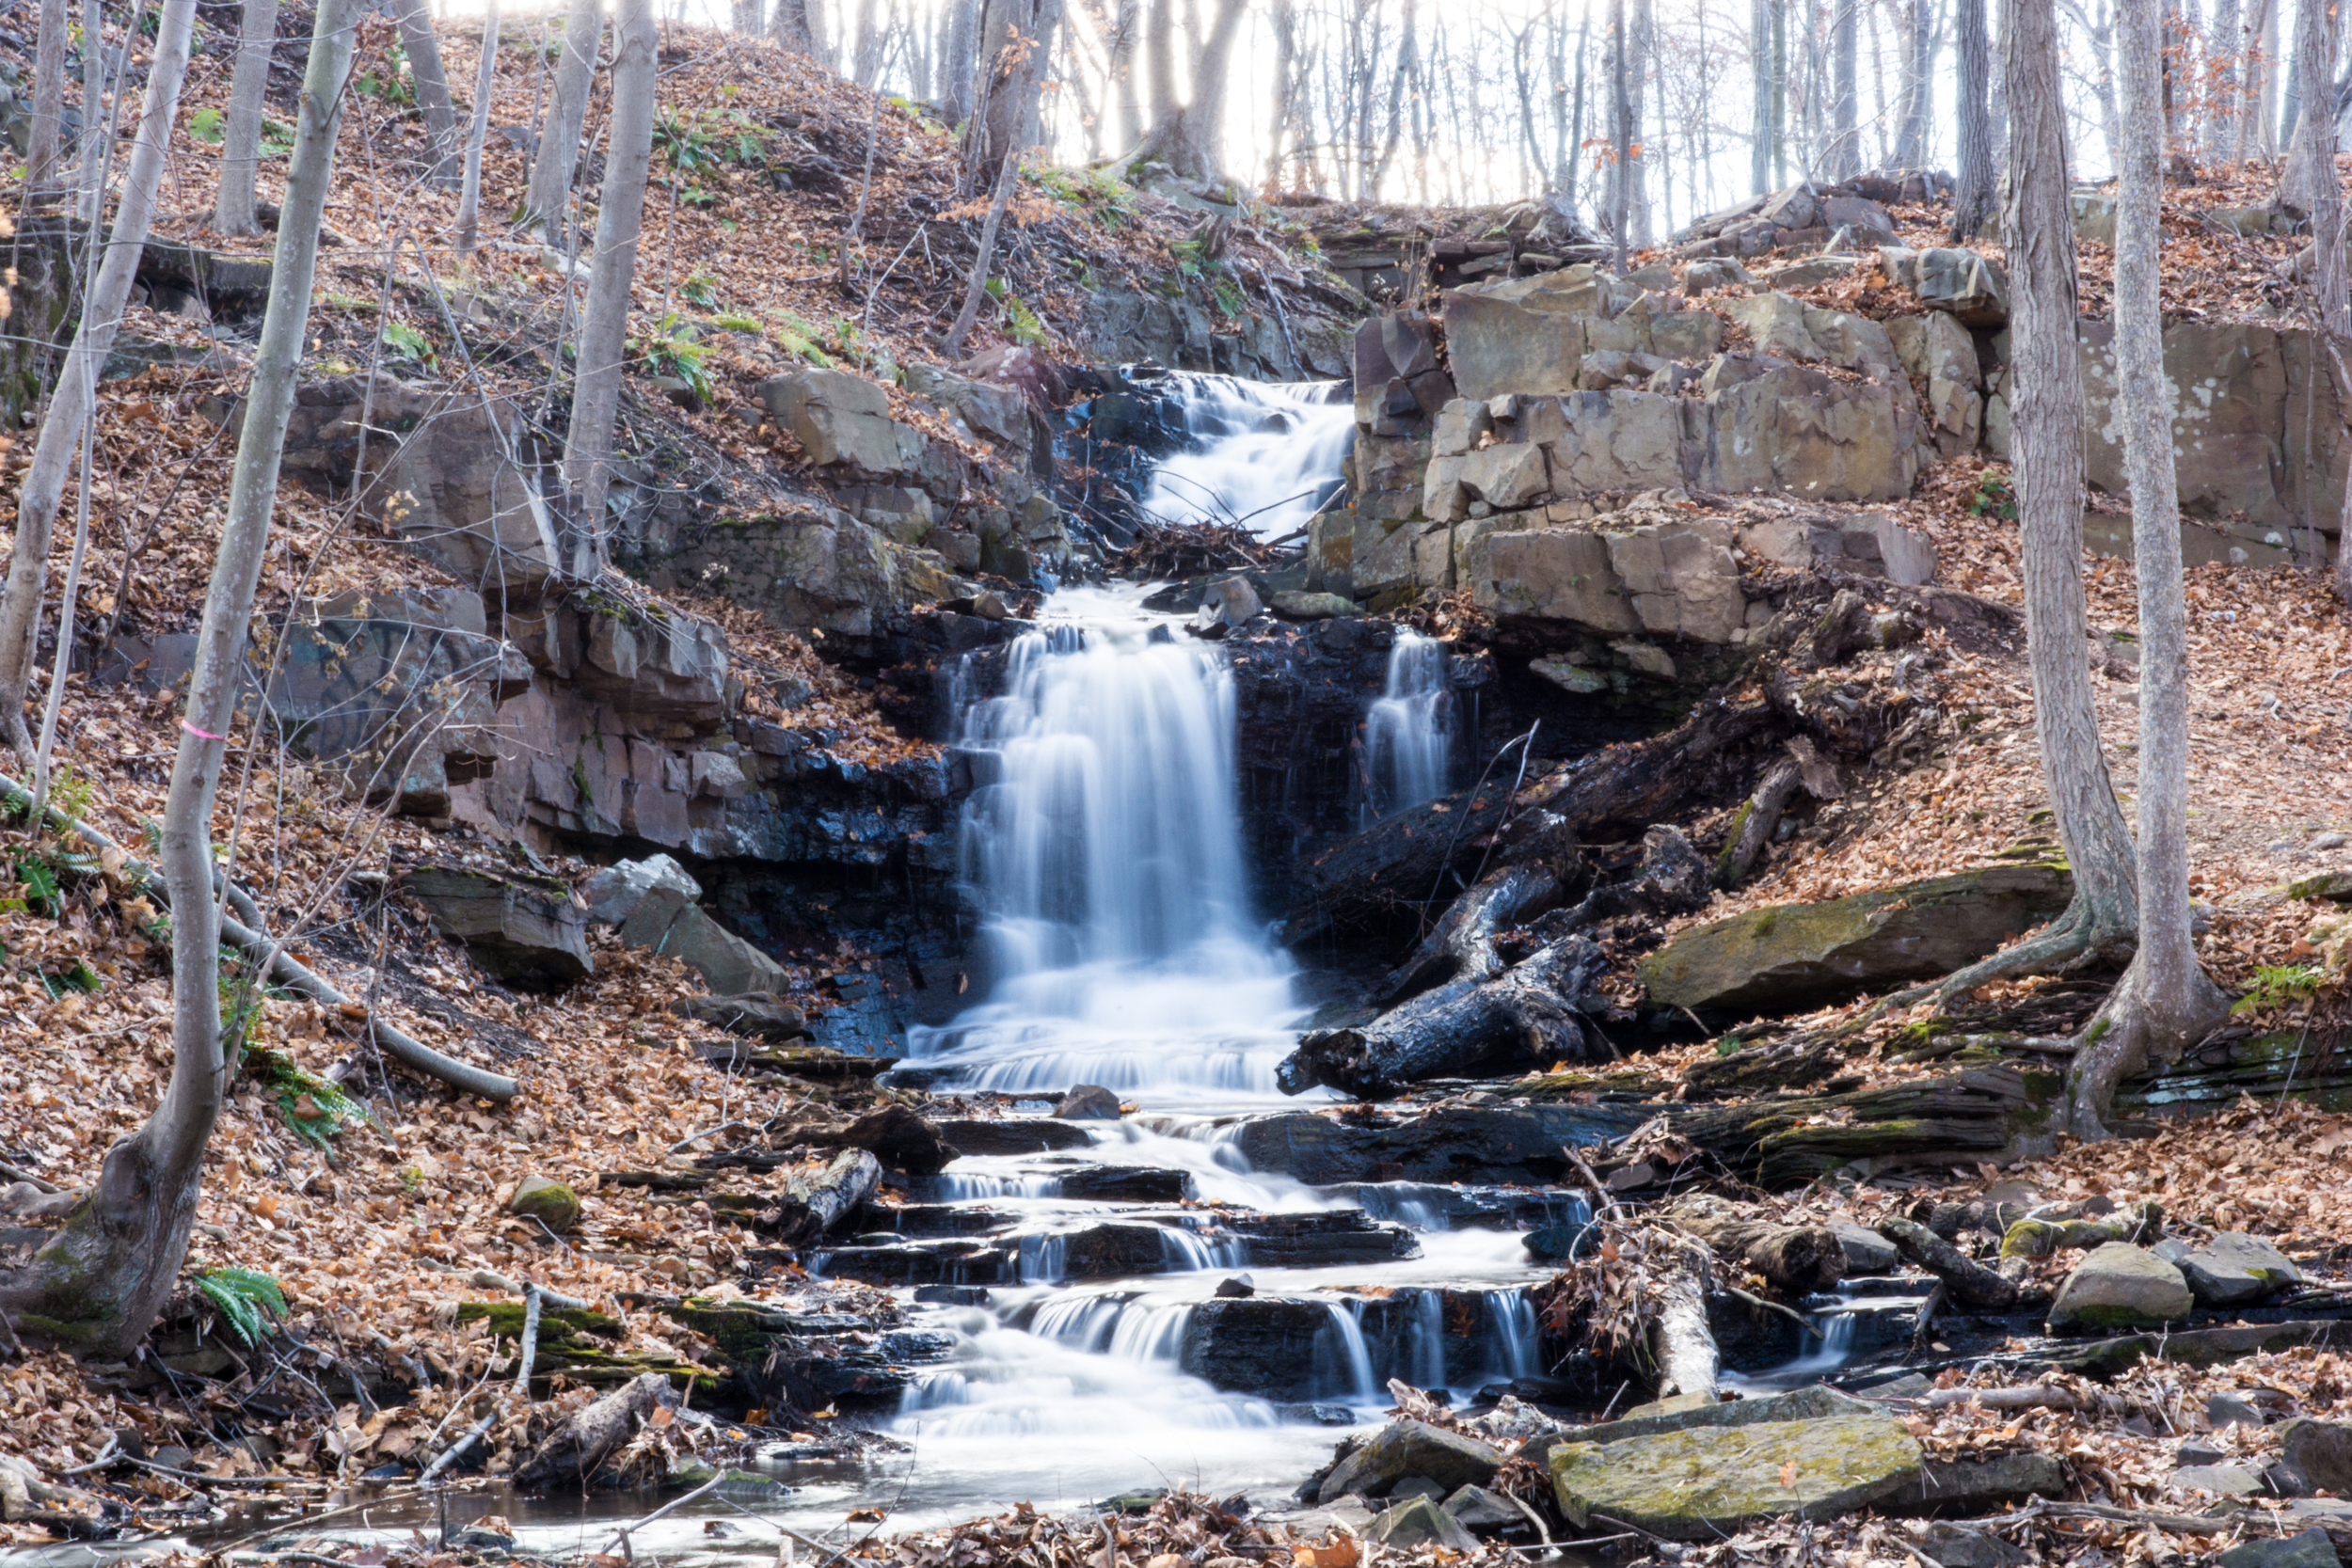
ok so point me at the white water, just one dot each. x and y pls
(1408, 732)
(1105, 851)
(1268, 454)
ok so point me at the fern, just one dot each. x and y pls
(248, 1300)
(314, 1108)
(2276, 985)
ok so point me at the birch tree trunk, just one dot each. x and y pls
(1972, 194)
(557, 154)
(485, 82)
(423, 48)
(99, 1283)
(75, 395)
(604, 322)
(2046, 460)
(92, 155)
(241, 141)
(2164, 999)
(48, 124)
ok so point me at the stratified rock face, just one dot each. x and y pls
(524, 933)
(1796, 956)
(1702, 1485)
(2232, 1269)
(2121, 1286)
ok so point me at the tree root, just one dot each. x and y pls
(2077, 940)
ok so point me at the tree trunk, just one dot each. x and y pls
(1461, 1029)
(1972, 194)
(1688, 1361)
(95, 117)
(102, 1279)
(1463, 944)
(75, 398)
(976, 287)
(423, 48)
(1620, 134)
(240, 143)
(558, 155)
(1014, 50)
(2165, 1000)
(816, 1202)
(793, 26)
(598, 1431)
(1969, 1283)
(2046, 460)
(1845, 147)
(2225, 45)
(1761, 86)
(1286, 89)
(745, 17)
(604, 322)
(2312, 156)
(1125, 89)
(1796, 1259)
(485, 82)
(1752, 829)
(48, 123)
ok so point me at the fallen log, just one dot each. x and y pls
(1752, 825)
(1382, 881)
(1670, 881)
(576, 1451)
(1531, 1010)
(1688, 1360)
(1629, 787)
(1967, 1281)
(1796, 1259)
(815, 1202)
(1463, 944)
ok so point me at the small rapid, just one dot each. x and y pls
(1408, 732)
(1264, 458)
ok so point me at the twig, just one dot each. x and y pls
(622, 1535)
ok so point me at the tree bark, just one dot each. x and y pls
(423, 48)
(976, 287)
(2309, 177)
(2225, 45)
(1021, 88)
(1125, 92)
(604, 322)
(1377, 881)
(815, 1202)
(485, 82)
(48, 124)
(1463, 944)
(1761, 133)
(2046, 461)
(2165, 1000)
(1015, 48)
(74, 399)
(241, 142)
(1530, 1010)
(1753, 827)
(1688, 1360)
(578, 1449)
(793, 25)
(1968, 1282)
(1972, 194)
(1620, 135)
(103, 1278)
(557, 154)
(1796, 1259)
(1845, 147)
(1186, 135)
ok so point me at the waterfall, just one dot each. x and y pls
(1104, 848)
(1407, 732)
(1266, 456)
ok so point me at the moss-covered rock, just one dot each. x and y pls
(1792, 955)
(2121, 1286)
(1701, 1485)
(548, 1201)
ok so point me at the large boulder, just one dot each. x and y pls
(1960, 283)
(1787, 957)
(2322, 1450)
(1520, 337)
(614, 894)
(808, 569)
(2232, 1269)
(842, 419)
(1867, 544)
(2121, 1286)
(1409, 1448)
(1671, 579)
(524, 933)
(664, 922)
(1940, 354)
(1701, 1485)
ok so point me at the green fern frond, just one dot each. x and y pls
(248, 1300)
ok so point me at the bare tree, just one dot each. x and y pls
(1620, 134)
(1972, 194)
(2164, 999)
(604, 322)
(423, 49)
(1028, 77)
(2255, 64)
(74, 399)
(1845, 140)
(241, 137)
(1125, 92)
(557, 154)
(1185, 133)
(100, 1281)
(485, 83)
(1918, 84)
(2226, 43)
(2312, 156)
(48, 123)
(795, 25)
(745, 17)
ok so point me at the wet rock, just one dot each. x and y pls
(665, 923)
(1420, 1522)
(952, 1296)
(942, 1260)
(1088, 1102)
(1866, 1251)
(1409, 1448)
(1237, 1288)
(614, 894)
(1794, 955)
(758, 1015)
(2232, 1269)
(1254, 1345)
(1477, 1509)
(2121, 1286)
(1317, 1240)
(1012, 1138)
(1416, 1486)
(1556, 1244)
(2322, 1450)
(1484, 1143)
(550, 1202)
(1696, 1484)
(1126, 1184)
(2312, 1548)
(524, 933)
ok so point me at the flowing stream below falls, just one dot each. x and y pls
(1120, 948)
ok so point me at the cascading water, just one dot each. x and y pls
(1408, 732)
(1264, 458)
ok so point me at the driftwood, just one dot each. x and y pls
(1530, 1009)
(575, 1451)
(1969, 1283)
(815, 1202)
(1796, 1259)
(1463, 944)
(1688, 1360)
(1381, 882)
